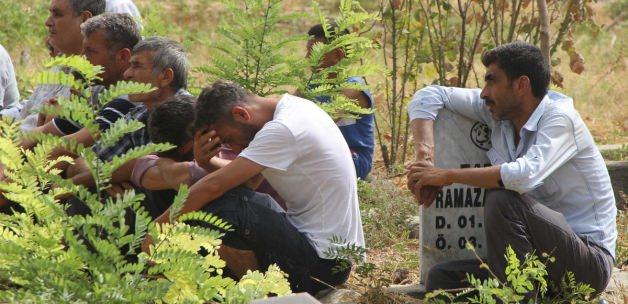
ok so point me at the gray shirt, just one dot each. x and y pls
(556, 161)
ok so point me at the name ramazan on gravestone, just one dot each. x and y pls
(457, 214)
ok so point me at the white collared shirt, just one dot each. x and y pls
(556, 161)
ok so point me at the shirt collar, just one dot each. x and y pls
(533, 121)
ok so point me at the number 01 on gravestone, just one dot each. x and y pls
(457, 214)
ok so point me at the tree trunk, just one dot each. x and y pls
(544, 28)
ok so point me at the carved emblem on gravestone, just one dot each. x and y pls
(481, 136)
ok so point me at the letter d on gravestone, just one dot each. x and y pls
(457, 215)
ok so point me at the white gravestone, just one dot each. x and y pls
(457, 214)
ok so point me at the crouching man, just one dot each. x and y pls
(551, 192)
(299, 150)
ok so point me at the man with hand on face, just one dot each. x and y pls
(551, 192)
(299, 150)
(108, 41)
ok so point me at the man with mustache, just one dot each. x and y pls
(550, 189)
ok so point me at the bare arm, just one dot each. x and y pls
(216, 184)
(423, 174)
(423, 137)
(48, 128)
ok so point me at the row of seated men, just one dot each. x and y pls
(311, 161)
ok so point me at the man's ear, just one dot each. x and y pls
(166, 77)
(85, 15)
(124, 56)
(523, 85)
(240, 114)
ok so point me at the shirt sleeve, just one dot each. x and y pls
(555, 145)
(111, 112)
(273, 147)
(142, 165)
(427, 102)
(66, 126)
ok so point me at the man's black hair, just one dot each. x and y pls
(171, 122)
(318, 32)
(518, 59)
(215, 103)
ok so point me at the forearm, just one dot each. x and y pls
(487, 178)
(123, 173)
(217, 163)
(423, 136)
(200, 194)
(173, 173)
(84, 178)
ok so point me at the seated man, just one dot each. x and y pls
(551, 189)
(171, 169)
(9, 95)
(64, 37)
(299, 150)
(358, 133)
(163, 64)
(108, 41)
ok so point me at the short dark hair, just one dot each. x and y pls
(167, 53)
(318, 32)
(518, 59)
(215, 103)
(96, 7)
(171, 122)
(120, 30)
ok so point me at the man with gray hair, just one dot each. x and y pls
(160, 62)
(64, 37)
(108, 41)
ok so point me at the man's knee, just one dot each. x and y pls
(500, 202)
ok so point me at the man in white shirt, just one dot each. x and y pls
(552, 192)
(9, 95)
(300, 151)
(124, 7)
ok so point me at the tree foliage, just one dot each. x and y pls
(253, 50)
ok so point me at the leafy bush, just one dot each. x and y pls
(525, 282)
(47, 255)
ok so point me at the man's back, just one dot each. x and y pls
(308, 163)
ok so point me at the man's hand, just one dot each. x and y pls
(425, 181)
(118, 189)
(206, 146)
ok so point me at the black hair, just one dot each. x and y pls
(215, 103)
(318, 32)
(171, 122)
(518, 59)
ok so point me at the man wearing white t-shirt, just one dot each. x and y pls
(300, 151)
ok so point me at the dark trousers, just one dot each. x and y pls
(527, 226)
(260, 225)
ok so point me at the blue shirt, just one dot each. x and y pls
(358, 134)
(556, 161)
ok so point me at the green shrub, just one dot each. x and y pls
(48, 256)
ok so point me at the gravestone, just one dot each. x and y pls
(457, 214)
